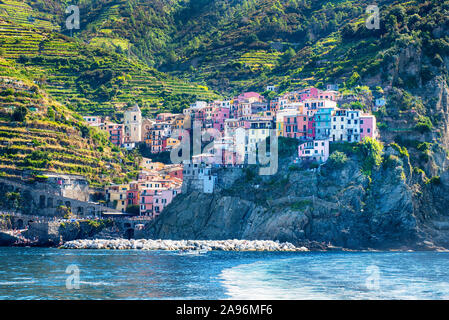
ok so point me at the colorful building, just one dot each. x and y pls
(115, 132)
(116, 196)
(315, 150)
(368, 126)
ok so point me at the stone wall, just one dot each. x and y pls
(43, 201)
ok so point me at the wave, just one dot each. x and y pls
(13, 283)
(96, 283)
(336, 277)
(266, 281)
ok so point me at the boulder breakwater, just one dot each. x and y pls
(174, 245)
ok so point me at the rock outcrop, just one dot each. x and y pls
(337, 205)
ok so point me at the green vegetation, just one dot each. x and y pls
(424, 125)
(434, 180)
(92, 79)
(287, 146)
(301, 205)
(371, 150)
(5, 222)
(337, 159)
(402, 150)
(124, 47)
(344, 147)
(53, 138)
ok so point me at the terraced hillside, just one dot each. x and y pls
(92, 80)
(38, 134)
(22, 13)
(228, 45)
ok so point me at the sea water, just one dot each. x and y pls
(47, 273)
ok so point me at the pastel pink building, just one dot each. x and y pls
(328, 95)
(164, 116)
(153, 201)
(116, 132)
(132, 195)
(314, 93)
(146, 202)
(296, 126)
(367, 126)
(316, 150)
(218, 116)
(311, 125)
(311, 93)
(163, 198)
(250, 96)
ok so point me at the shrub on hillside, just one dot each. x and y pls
(337, 159)
(434, 180)
(19, 114)
(372, 154)
(424, 125)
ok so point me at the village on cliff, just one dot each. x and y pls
(315, 117)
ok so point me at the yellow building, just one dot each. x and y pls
(150, 165)
(171, 143)
(116, 194)
(178, 123)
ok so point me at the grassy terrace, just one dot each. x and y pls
(53, 138)
(259, 59)
(93, 80)
(21, 13)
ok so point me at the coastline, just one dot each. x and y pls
(175, 245)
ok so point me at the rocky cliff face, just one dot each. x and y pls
(336, 204)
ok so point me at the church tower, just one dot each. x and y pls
(133, 124)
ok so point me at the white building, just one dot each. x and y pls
(345, 126)
(338, 126)
(353, 125)
(93, 121)
(315, 150)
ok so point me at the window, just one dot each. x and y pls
(368, 130)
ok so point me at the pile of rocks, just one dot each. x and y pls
(173, 245)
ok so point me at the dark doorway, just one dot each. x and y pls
(129, 234)
(42, 201)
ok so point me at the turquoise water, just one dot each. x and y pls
(40, 273)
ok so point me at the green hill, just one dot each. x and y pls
(91, 79)
(228, 45)
(38, 134)
(234, 45)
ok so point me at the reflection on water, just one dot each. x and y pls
(40, 273)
